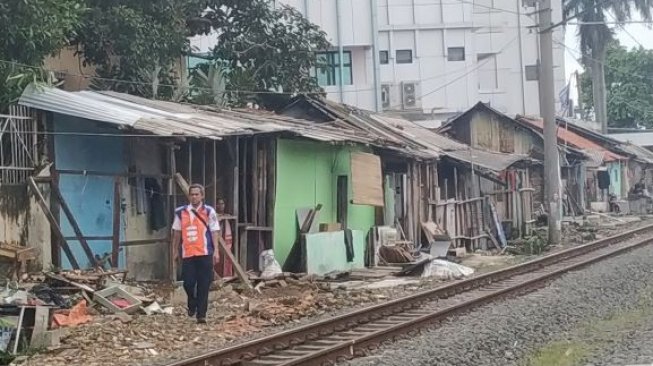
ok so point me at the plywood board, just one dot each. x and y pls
(367, 182)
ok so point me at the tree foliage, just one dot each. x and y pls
(595, 36)
(265, 48)
(629, 83)
(134, 44)
(31, 31)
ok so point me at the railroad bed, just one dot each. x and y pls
(352, 334)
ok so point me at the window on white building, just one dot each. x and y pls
(487, 71)
(328, 68)
(456, 53)
(383, 57)
(404, 57)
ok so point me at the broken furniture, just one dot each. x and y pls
(117, 300)
(19, 256)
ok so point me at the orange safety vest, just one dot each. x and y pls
(196, 239)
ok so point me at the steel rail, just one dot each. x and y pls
(336, 338)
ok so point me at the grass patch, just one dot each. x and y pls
(561, 353)
(591, 337)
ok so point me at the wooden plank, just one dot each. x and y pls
(115, 245)
(366, 179)
(105, 174)
(73, 223)
(235, 199)
(243, 184)
(41, 323)
(242, 249)
(254, 182)
(272, 182)
(53, 223)
(129, 243)
(19, 327)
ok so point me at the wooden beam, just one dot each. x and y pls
(53, 223)
(115, 246)
(74, 225)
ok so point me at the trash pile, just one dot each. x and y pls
(34, 310)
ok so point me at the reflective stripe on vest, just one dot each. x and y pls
(195, 240)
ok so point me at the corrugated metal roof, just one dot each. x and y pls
(175, 119)
(644, 138)
(418, 138)
(578, 141)
(639, 152)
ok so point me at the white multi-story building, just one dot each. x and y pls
(430, 59)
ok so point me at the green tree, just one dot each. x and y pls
(264, 49)
(32, 30)
(134, 44)
(595, 36)
(629, 83)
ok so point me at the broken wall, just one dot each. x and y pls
(23, 223)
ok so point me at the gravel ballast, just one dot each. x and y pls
(574, 321)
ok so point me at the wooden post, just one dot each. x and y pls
(172, 205)
(53, 223)
(215, 174)
(115, 247)
(254, 182)
(71, 219)
(272, 182)
(235, 203)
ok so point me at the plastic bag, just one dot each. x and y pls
(269, 266)
(446, 270)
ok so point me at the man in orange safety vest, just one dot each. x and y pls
(196, 231)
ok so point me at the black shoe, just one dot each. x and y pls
(191, 313)
(201, 320)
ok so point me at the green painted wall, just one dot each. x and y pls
(307, 173)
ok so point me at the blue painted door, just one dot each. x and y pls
(87, 145)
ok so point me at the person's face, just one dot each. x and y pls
(195, 196)
(221, 206)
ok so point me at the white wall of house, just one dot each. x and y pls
(497, 36)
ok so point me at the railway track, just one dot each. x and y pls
(353, 334)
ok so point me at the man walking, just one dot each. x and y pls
(197, 229)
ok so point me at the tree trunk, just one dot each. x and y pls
(598, 87)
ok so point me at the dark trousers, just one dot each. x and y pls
(197, 274)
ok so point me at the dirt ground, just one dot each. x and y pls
(235, 315)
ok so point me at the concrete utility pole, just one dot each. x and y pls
(547, 111)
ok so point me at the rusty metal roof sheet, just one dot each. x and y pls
(417, 138)
(176, 119)
(580, 142)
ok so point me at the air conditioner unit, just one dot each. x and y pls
(410, 95)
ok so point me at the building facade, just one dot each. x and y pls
(430, 59)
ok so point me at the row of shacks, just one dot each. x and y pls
(92, 177)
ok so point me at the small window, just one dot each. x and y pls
(456, 53)
(328, 68)
(383, 57)
(404, 56)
